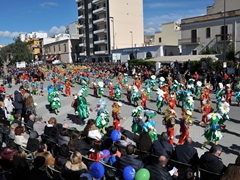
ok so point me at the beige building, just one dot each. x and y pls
(169, 35)
(105, 25)
(198, 33)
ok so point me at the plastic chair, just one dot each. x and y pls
(53, 173)
(204, 174)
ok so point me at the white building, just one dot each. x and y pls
(39, 35)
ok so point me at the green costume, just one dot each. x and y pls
(82, 108)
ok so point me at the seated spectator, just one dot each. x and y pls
(30, 108)
(8, 103)
(158, 170)
(211, 161)
(7, 155)
(20, 168)
(189, 174)
(21, 138)
(62, 157)
(51, 129)
(124, 140)
(17, 119)
(91, 130)
(78, 144)
(42, 151)
(31, 121)
(33, 142)
(12, 131)
(232, 171)
(107, 140)
(38, 171)
(186, 153)
(130, 159)
(75, 167)
(114, 157)
(64, 136)
(162, 147)
(96, 153)
(144, 142)
(39, 126)
(4, 115)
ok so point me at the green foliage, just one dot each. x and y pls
(141, 62)
(148, 55)
(207, 50)
(15, 52)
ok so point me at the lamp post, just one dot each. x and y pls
(132, 38)
(224, 31)
(112, 19)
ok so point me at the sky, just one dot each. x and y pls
(26, 16)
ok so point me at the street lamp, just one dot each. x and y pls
(112, 19)
(224, 32)
(132, 38)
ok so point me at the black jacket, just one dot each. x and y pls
(212, 163)
(163, 148)
(82, 147)
(37, 174)
(158, 172)
(187, 154)
(3, 118)
(60, 162)
(18, 100)
(32, 144)
(51, 131)
(130, 160)
(63, 140)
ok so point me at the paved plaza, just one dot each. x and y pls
(229, 142)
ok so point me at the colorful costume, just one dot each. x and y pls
(56, 103)
(117, 91)
(144, 98)
(219, 96)
(116, 107)
(129, 91)
(159, 100)
(68, 88)
(137, 122)
(150, 127)
(95, 89)
(223, 111)
(238, 95)
(102, 119)
(34, 86)
(184, 126)
(169, 121)
(206, 109)
(82, 108)
(229, 94)
(125, 79)
(172, 101)
(153, 81)
(100, 88)
(111, 90)
(198, 89)
(134, 95)
(149, 114)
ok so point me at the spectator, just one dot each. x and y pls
(30, 108)
(189, 174)
(124, 140)
(9, 80)
(8, 103)
(144, 142)
(7, 155)
(18, 100)
(107, 140)
(39, 125)
(33, 142)
(214, 80)
(186, 153)
(91, 130)
(42, 151)
(78, 144)
(130, 159)
(4, 116)
(233, 171)
(12, 131)
(96, 153)
(51, 129)
(64, 136)
(211, 161)
(62, 157)
(115, 156)
(162, 147)
(17, 119)
(189, 64)
(159, 171)
(38, 172)
(21, 138)
(31, 121)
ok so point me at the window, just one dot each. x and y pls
(194, 36)
(159, 39)
(49, 48)
(65, 47)
(76, 48)
(53, 48)
(224, 32)
(208, 33)
(59, 47)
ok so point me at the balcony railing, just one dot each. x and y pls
(77, 1)
(189, 41)
(81, 26)
(81, 7)
(99, 10)
(81, 17)
(102, 41)
(100, 52)
(82, 44)
(97, 1)
(220, 37)
(81, 35)
(83, 53)
(98, 21)
(100, 31)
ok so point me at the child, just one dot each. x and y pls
(115, 156)
(96, 153)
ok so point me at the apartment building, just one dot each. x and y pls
(72, 28)
(106, 25)
(218, 29)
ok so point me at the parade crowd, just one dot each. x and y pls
(36, 148)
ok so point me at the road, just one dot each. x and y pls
(229, 142)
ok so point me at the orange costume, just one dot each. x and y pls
(207, 92)
(111, 90)
(144, 99)
(172, 101)
(95, 89)
(229, 94)
(120, 80)
(116, 107)
(165, 90)
(68, 88)
(206, 110)
(169, 121)
(129, 91)
(184, 128)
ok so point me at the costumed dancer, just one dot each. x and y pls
(74, 105)
(164, 87)
(150, 127)
(148, 89)
(82, 108)
(169, 121)
(84, 88)
(111, 90)
(153, 81)
(95, 89)
(137, 122)
(125, 79)
(180, 94)
(50, 89)
(172, 101)
(188, 104)
(169, 82)
(190, 85)
(184, 126)
(238, 96)
(129, 92)
(34, 86)
(102, 119)
(120, 80)
(56, 103)
(144, 98)
(220, 96)
(206, 109)
(161, 82)
(100, 89)
(134, 95)
(229, 94)
(198, 89)
(202, 98)
(116, 114)
(26, 87)
(207, 91)
(149, 114)
(117, 91)
(213, 130)
(137, 82)
(223, 111)
(159, 100)
(68, 88)
(174, 87)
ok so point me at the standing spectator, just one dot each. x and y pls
(9, 80)
(18, 100)
(176, 66)
(214, 80)
(189, 64)
(30, 108)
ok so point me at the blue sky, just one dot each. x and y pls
(25, 16)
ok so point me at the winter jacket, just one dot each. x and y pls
(60, 162)
(63, 140)
(130, 160)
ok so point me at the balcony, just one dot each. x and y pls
(82, 26)
(220, 38)
(98, 21)
(99, 10)
(77, 1)
(81, 7)
(82, 44)
(189, 41)
(99, 31)
(83, 53)
(100, 52)
(81, 17)
(103, 41)
(97, 1)
(81, 35)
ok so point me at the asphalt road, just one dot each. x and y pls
(229, 142)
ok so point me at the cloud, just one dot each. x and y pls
(9, 35)
(163, 5)
(55, 30)
(47, 4)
